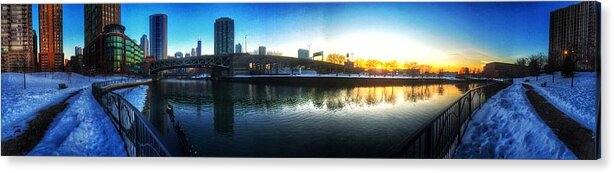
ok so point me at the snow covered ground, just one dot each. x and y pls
(579, 102)
(20, 105)
(507, 127)
(82, 129)
(134, 95)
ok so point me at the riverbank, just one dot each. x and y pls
(346, 80)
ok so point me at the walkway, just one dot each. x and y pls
(37, 128)
(577, 138)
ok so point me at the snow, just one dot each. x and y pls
(578, 102)
(20, 105)
(507, 127)
(134, 95)
(83, 129)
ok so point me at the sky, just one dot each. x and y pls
(441, 34)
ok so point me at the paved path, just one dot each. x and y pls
(577, 138)
(24, 143)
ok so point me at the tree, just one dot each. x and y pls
(521, 61)
(534, 66)
(410, 65)
(391, 65)
(568, 67)
(336, 58)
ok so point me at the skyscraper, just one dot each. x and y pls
(35, 50)
(50, 26)
(97, 16)
(17, 45)
(145, 45)
(78, 51)
(238, 48)
(193, 52)
(575, 32)
(158, 36)
(261, 50)
(224, 35)
(198, 48)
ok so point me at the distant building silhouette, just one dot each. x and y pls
(261, 50)
(17, 37)
(178, 55)
(78, 50)
(158, 34)
(50, 26)
(303, 54)
(198, 48)
(193, 52)
(238, 48)
(145, 45)
(36, 66)
(224, 34)
(503, 70)
(575, 32)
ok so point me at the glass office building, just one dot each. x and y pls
(114, 52)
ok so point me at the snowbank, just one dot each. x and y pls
(83, 129)
(134, 95)
(20, 105)
(579, 102)
(507, 127)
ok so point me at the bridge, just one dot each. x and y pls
(244, 64)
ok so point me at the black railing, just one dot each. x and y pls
(139, 136)
(439, 137)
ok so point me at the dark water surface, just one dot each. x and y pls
(256, 120)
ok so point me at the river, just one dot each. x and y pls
(257, 120)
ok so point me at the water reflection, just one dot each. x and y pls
(239, 119)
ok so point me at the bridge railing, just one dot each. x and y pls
(439, 137)
(139, 136)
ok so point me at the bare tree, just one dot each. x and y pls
(522, 61)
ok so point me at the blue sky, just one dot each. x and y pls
(440, 34)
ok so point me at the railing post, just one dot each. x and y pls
(429, 142)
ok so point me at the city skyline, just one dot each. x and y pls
(417, 32)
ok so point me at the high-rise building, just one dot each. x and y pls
(198, 48)
(224, 35)
(78, 51)
(575, 32)
(145, 45)
(239, 48)
(178, 55)
(303, 54)
(261, 50)
(113, 52)
(50, 26)
(17, 44)
(97, 16)
(193, 52)
(158, 36)
(35, 51)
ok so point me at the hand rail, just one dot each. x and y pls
(139, 136)
(439, 137)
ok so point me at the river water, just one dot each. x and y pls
(256, 120)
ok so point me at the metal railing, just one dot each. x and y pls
(439, 137)
(139, 136)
